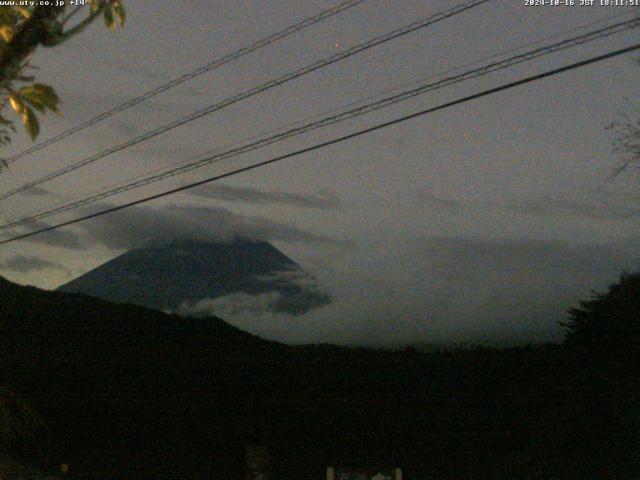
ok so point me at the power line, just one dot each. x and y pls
(412, 27)
(307, 22)
(333, 119)
(330, 120)
(334, 141)
(361, 100)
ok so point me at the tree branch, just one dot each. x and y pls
(61, 37)
(31, 33)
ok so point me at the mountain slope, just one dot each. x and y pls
(175, 275)
(25, 309)
(123, 388)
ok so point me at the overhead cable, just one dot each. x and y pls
(318, 146)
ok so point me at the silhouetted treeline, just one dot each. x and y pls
(128, 392)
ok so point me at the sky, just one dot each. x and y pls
(484, 222)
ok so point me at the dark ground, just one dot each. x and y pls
(123, 391)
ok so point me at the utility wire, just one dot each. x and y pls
(412, 27)
(318, 146)
(273, 38)
(360, 101)
(333, 119)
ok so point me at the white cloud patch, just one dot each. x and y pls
(294, 293)
(231, 306)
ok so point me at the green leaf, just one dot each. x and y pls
(118, 11)
(31, 96)
(109, 19)
(41, 96)
(30, 122)
(38, 106)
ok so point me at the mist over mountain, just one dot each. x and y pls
(199, 278)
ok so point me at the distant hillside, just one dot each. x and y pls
(29, 313)
(181, 275)
(128, 392)
(115, 383)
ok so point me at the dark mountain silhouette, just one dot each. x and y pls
(128, 392)
(116, 383)
(177, 276)
(27, 313)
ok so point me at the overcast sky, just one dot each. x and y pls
(482, 222)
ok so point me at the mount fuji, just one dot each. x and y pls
(189, 277)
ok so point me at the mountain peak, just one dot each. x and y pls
(182, 274)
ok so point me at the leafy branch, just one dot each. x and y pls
(22, 31)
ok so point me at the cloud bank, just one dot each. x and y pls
(146, 226)
(451, 290)
(25, 264)
(321, 200)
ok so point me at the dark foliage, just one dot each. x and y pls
(609, 320)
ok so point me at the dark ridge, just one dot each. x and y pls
(123, 391)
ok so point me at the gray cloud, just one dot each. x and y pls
(321, 200)
(144, 226)
(594, 209)
(137, 69)
(78, 103)
(293, 292)
(566, 208)
(25, 264)
(500, 289)
(453, 289)
(431, 200)
(64, 238)
(37, 192)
